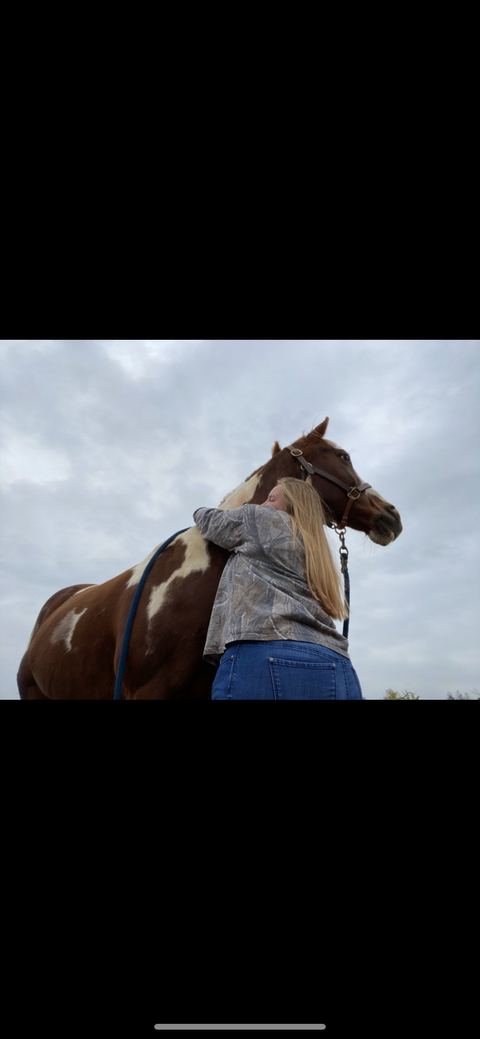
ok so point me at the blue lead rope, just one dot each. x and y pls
(129, 625)
(346, 583)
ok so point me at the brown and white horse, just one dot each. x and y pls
(75, 645)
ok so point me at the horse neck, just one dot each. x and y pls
(260, 483)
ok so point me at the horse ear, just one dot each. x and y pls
(276, 448)
(322, 428)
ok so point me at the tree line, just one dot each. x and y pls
(392, 695)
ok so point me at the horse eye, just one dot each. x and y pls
(346, 457)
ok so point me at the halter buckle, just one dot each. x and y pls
(353, 493)
(295, 451)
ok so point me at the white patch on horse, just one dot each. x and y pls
(242, 494)
(65, 629)
(80, 590)
(381, 539)
(137, 570)
(197, 557)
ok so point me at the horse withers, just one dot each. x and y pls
(75, 645)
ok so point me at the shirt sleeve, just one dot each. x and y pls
(222, 526)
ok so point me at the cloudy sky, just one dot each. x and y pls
(108, 447)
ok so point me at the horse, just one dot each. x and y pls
(74, 649)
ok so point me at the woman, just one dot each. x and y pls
(271, 631)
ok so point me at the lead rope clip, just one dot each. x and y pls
(343, 550)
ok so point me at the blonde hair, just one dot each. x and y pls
(304, 506)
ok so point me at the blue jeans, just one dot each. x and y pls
(284, 670)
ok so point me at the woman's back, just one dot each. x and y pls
(263, 592)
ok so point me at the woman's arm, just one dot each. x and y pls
(223, 527)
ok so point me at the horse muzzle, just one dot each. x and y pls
(387, 527)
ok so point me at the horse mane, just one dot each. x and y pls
(247, 478)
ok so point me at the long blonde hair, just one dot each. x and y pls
(304, 506)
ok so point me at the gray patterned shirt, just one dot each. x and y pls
(263, 593)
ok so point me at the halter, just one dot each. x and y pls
(353, 494)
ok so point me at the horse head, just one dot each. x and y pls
(368, 512)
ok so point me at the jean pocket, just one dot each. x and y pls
(303, 680)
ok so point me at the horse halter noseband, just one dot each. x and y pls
(353, 493)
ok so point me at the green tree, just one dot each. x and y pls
(391, 695)
(462, 696)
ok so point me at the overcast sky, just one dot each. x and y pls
(108, 447)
